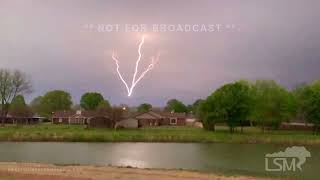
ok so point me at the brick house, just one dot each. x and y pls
(100, 122)
(62, 117)
(21, 119)
(73, 117)
(174, 119)
(95, 119)
(151, 118)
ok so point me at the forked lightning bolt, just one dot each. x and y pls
(135, 80)
(114, 57)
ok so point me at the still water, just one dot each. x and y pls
(230, 159)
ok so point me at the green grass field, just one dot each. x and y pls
(78, 133)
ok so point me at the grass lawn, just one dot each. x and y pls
(78, 133)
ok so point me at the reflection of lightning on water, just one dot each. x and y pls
(135, 80)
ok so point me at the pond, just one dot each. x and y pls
(230, 159)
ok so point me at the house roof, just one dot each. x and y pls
(126, 115)
(155, 114)
(151, 113)
(162, 114)
(23, 115)
(72, 113)
(176, 115)
(63, 114)
(88, 114)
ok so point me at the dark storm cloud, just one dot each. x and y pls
(46, 39)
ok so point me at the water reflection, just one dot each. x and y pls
(225, 158)
(132, 163)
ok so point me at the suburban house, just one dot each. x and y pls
(10, 119)
(296, 126)
(174, 119)
(297, 123)
(21, 118)
(128, 120)
(150, 118)
(62, 117)
(93, 119)
(127, 123)
(100, 122)
(191, 120)
(73, 117)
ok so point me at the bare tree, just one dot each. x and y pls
(12, 83)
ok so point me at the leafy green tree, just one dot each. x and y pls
(104, 104)
(145, 107)
(272, 104)
(189, 108)
(192, 108)
(36, 105)
(56, 100)
(19, 108)
(104, 107)
(209, 114)
(176, 106)
(312, 104)
(18, 102)
(301, 94)
(196, 105)
(231, 104)
(91, 100)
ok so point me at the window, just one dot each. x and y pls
(173, 121)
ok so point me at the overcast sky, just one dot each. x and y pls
(50, 40)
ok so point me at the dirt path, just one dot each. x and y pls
(33, 171)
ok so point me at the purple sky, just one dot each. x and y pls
(46, 39)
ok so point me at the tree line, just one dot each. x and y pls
(263, 102)
(15, 84)
(58, 100)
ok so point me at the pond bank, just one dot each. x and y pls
(19, 171)
(78, 133)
